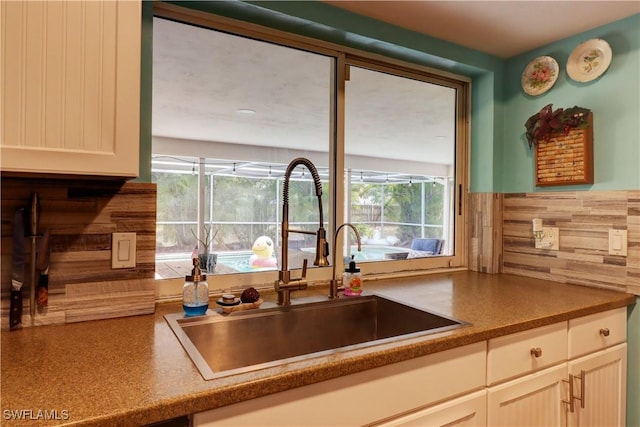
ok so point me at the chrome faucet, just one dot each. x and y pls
(333, 285)
(285, 284)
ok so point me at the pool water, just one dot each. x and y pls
(374, 253)
(239, 261)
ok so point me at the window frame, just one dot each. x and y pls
(344, 57)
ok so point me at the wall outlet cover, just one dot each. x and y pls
(550, 239)
(618, 242)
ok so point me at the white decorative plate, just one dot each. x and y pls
(540, 75)
(589, 60)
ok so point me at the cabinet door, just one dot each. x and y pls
(604, 386)
(465, 411)
(70, 98)
(532, 400)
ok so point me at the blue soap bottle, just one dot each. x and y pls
(195, 292)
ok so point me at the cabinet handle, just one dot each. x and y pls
(604, 332)
(571, 397)
(536, 352)
(582, 378)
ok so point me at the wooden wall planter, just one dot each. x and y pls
(566, 159)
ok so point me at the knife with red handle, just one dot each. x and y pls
(42, 264)
(17, 270)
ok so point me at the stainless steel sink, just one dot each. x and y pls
(249, 340)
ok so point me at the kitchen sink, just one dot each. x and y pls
(255, 339)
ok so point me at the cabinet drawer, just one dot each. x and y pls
(518, 354)
(597, 331)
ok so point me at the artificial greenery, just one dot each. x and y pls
(548, 122)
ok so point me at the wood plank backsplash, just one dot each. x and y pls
(584, 219)
(81, 215)
(485, 232)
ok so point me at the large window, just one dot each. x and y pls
(401, 195)
(230, 112)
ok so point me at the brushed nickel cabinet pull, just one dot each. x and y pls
(571, 397)
(604, 332)
(536, 352)
(582, 378)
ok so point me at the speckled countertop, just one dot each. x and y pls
(133, 371)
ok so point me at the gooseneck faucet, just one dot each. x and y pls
(333, 285)
(285, 284)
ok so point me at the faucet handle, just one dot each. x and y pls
(322, 248)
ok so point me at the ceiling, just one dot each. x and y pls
(500, 28)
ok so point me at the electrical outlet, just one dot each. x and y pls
(550, 239)
(123, 250)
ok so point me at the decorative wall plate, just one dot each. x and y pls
(589, 60)
(540, 75)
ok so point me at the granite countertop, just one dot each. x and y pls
(133, 371)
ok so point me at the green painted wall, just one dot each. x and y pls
(146, 90)
(614, 99)
(633, 365)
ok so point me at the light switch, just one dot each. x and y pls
(123, 250)
(618, 242)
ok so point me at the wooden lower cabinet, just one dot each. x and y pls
(602, 377)
(542, 398)
(533, 400)
(364, 398)
(465, 411)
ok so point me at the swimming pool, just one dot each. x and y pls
(177, 265)
(239, 261)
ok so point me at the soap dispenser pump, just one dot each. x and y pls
(195, 293)
(352, 279)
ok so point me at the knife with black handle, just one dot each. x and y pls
(42, 264)
(17, 271)
(34, 219)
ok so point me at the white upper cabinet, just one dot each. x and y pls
(71, 87)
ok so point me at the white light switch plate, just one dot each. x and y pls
(123, 250)
(618, 242)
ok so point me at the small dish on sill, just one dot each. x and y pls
(242, 307)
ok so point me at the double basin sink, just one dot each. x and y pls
(249, 340)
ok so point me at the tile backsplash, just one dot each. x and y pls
(80, 216)
(584, 219)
